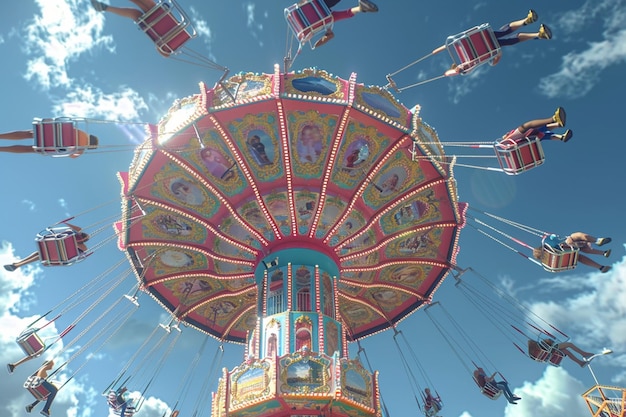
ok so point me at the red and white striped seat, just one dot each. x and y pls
(116, 407)
(491, 391)
(558, 258)
(308, 19)
(517, 156)
(58, 246)
(563, 258)
(547, 352)
(167, 25)
(473, 47)
(30, 342)
(58, 137)
(34, 385)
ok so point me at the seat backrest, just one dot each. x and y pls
(473, 47)
(559, 259)
(491, 391)
(540, 352)
(58, 246)
(308, 19)
(167, 25)
(34, 385)
(517, 156)
(112, 400)
(556, 357)
(30, 342)
(57, 137)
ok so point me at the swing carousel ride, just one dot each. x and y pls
(294, 219)
(293, 212)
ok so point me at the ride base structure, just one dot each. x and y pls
(288, 214)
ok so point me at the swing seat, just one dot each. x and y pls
(30, 342)
(547, 353)
(58, 246)
(129, 412)
(167, 25)
(490, 391)
(433, 410)
(519, 156)
(34, 385)
(563, 258)
(473, 47)
(58, 137)
(309, 19)
(556, 357)
(116, 407)
(541, 354)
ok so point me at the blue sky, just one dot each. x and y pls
(61, 58)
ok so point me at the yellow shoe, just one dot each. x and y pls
(544, 32)
(531, 18)
(560, 116)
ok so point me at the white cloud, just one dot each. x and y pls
(201, 26)
(580, 310)
(204, 33)
(581, 70)
(90, 101)
(556, 394)
(250, 14)
(252, 23)
(465, 414)
(13, 285)
(466, 84)
(30, 205)
(58, 36)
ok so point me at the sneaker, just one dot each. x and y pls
(10, 267)
(367, 6)
(560, 116)
(607, 253)
(99, 6)
(10, 367)
(45, 413)
(566, 136)
(531, 18)
(606, 351)
(600, 242)
(605, 269)
(324, 39)
(29, 408)
(544, 32)
(516, 398)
